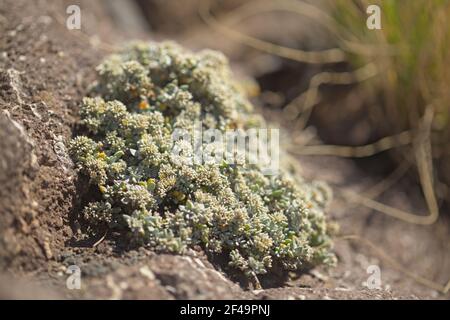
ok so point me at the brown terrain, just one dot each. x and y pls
(45, 70)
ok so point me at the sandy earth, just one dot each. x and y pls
(44, 72)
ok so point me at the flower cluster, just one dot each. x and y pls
(142, 95)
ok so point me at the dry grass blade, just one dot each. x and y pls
(304, 9)
(314, 57)
(422, 151)
(384, 144)
(303, 105)
(391, 180)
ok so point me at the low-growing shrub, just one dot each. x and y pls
(148, 193)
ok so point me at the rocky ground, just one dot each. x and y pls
(45, 69)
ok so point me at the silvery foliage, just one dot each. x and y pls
(145, 93)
